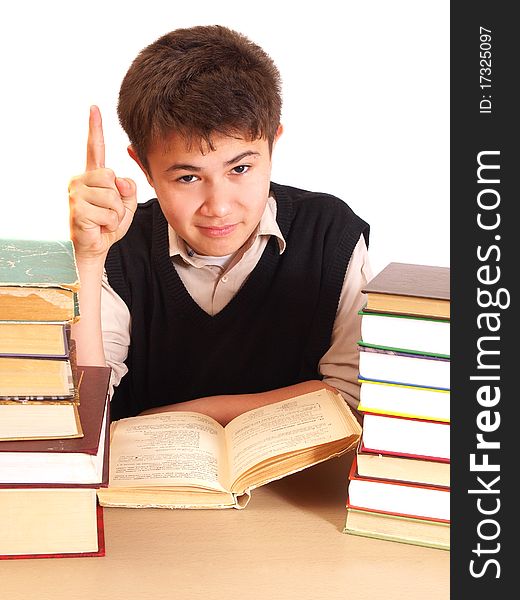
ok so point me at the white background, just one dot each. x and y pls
(366, 105)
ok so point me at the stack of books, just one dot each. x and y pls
(399, 483)
(53, 413)
(38, 301)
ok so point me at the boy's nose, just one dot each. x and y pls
(216, 204)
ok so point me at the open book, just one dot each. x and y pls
(188, 460)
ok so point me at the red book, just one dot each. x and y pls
(397, 497)
(71, 461)
(48, 489)
(405, 436)
(413, 469)
(51, 523)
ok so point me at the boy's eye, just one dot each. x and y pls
(187, 178)
(239, 169)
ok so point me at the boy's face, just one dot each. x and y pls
(213, 200)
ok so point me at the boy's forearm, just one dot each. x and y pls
(87, 331)
(226, 407)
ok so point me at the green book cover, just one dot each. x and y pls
(372, 313)
(397, 528)
(403, 351)
(396, 538)
(38, 263)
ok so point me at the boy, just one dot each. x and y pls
(228, 291)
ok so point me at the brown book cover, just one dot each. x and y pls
(410, 289)
(404, 279)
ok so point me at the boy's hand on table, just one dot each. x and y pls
(102, 205)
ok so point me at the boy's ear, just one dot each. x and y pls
(278, 133)
(133, 155)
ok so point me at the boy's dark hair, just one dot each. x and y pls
(197, 82)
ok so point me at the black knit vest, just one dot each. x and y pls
(270, 335)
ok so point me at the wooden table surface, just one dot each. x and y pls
(286, 544)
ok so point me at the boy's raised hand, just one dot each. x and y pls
(101, 205)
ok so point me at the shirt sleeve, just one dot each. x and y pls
(340, 364)
(115, 325)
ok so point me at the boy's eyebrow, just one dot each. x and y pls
(235, 159)
(240, 157)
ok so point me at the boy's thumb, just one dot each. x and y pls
(128, 191)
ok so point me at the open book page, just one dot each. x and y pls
(166, 449)
(284, 427)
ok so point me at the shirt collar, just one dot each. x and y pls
(267, 226)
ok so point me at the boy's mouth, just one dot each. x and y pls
(221, 231)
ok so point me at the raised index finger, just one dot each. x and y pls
(95, 141)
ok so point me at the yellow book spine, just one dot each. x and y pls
(392, 413)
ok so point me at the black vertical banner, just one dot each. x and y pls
(485, 257)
